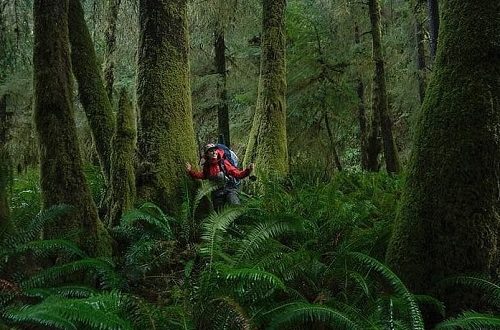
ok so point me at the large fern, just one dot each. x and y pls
(472, 321)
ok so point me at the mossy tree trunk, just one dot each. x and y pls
(166, 134)
(91, 90)
(363, 129)
(420, 49)
(267, 144)
(379, 95)
(122, 168)
(448, 222)
(112, 8)
(5, 167)
(61, 169)
(220, 67)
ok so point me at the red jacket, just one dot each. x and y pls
(212, 169)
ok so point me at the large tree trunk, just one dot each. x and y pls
(166, 135)
(448, 223)
(91, 90)
(61, 173)
(267, 144)
(379, 96)
(5, 168)
(112, 7)
(433, 8)
(220, 67)
(122, 166)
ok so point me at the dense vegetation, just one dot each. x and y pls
(375, 203)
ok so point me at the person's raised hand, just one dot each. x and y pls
(188, 167)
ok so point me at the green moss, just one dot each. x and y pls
(166, 136)
(448, 223)
(267, 145)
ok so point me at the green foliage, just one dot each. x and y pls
(471, 320)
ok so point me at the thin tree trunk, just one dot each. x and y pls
(379, 96)
(360, 90)
(91, 90)
(420, 50)
(5, 168)
(448, 221)
(61, 171)
(122, 168)
(220, 66)
(335, 154)
(112, 9)
(267, 144)
(166, 134)
(433, 9)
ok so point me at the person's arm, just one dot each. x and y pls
(194, 174)
(235, 172)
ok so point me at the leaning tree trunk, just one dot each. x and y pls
(61, 171)
(91, 90)
(122, 168)
(166, 134)
(220, 66)
(5, 168)
(112, 7)
(267, 144)
(379, 97)
(449, 218)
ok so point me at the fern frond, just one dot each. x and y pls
(304, 313)
(263, 232)
(151, 214)
(471, 320)
(42, 248)
(396, 284)
(251, 276)
(215, 224)
(490, 290)
(102, 267)
(205, 189)
(68, 291)
(97, 312)
(435, 304)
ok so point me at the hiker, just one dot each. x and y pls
(219, 169)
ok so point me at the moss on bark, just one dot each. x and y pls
(112, 8)
(267, 144)
(122, 169)
(91, 89)
(166, 134)
(61, 174)
(448, 222)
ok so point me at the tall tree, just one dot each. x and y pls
(267, 144)
(220, 67)
(379, 96)
(112, 8)
(166, 135)
(122, 167)
(448, 222)
(420, 48)
(91, 89)
(5, 166)
(61, 169)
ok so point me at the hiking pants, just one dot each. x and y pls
(225, 195)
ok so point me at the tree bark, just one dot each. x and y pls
(267, 144)
(379, 96)
(166, 134)
(420, 50)
(448, 222)
(335, 154)
(61, 173)
(433, 9)
(122, 168)
(112, 9)
(91, 90)
(5, 168)
(220, 66)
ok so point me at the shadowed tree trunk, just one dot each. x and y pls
(448, 222)
(333, 147)
(61, 174)
(91, 90)
(433, 9)
(5, 167)
(122, 168)
(420, 50)
(379, 95)
(220, 66)
(267, 144)
(112, 8)
(166, 134)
